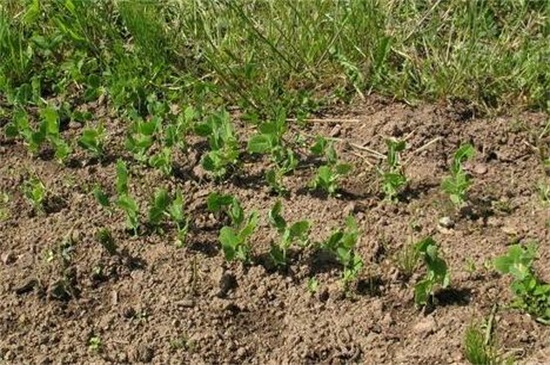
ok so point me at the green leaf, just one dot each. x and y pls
(11, 131)
(422, 291)
(216, 201)
(121, 178)
(229, 242)
(101, 197)
(299, 230)
(51, 119)
(203, 129)
(343, 169)
(261, 143)
(176, 208)
(159, 206)
(275, 218)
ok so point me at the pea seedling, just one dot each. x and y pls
(288, 234)
(457, 185)
(270, 141)
(393, 178)
(222, 141)
(35, 192)
(234, 238)
(92, 140)
(328, 175)
(163, 207)
(532, 294)
(142, 136)
(437, 273)
(341, 244)
(124, 200)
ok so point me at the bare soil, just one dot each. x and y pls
(154, 302)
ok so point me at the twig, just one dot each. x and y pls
(420, 149)
(371, 151)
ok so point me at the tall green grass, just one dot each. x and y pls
(261, 54)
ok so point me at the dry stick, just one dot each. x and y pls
(420, 149)
(371, 151)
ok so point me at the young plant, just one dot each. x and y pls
(478, 347)
(222, 141)
(174, 133)
(124, 201)
(289, 234)
(328, 175)
(162, 161)
(92, 140)
(457, 185)
(105, 238)
(163, 207)
(142, 136)
(437, 273)
(49, 131)
(341, 244)
(234, 238)
(35, 192)
(532, 295)
(393, 178)
(270, 141)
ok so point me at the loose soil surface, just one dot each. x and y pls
(154, 302)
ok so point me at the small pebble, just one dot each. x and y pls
(446, 222)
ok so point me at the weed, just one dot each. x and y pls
(407, 259)
(288, 234)
(35, 192)
(532, 295)
(457, 185)
(95, 344)
(437, 273)
(393, 178)
(312, 285)
(328, 175)
(105, 238)
(270, 140)
(341, 244)
(476, 348)
(222, 141)
(183, 343)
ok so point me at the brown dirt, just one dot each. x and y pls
(157, 303)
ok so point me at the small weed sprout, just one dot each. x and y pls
(341, 244)
(532, 295)
(35, 192)
(95, 344)
(223, 144)
(457, 185)
(477, 349)
(329, 174)
(105, 238)
(298, 231)
(437, 272)
(313, 285)
(407, 259)
(270, 140)
(393, 178)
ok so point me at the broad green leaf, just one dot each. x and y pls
(121, 178)
(229, 242)
(260, 144)
(216, 201)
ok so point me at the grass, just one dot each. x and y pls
(303, 55)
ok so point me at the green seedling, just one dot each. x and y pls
(174, 133)
(101, 197)
(341, 244)
(532, 295)
(457, 185)
(392, 175)
(407, 259)
(217, 203)
(176, 213)
(223, 144)
(95, 344)
(142, 136)
(49, 131)
(313, 285)
(296, 232)
(35, 192)
(234, 240)
(105, 238)
(162, 161)
(477, 349)
(436, 274)
(124, 201)
(328, 175)
(270, 141)
(92, 140)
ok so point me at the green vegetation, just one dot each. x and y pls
(35, 192)
(341, 244)
(457, 185)
(329, 174)
(393, 178)
(532, 295)
(437, 273)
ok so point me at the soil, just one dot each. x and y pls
(154, 302)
